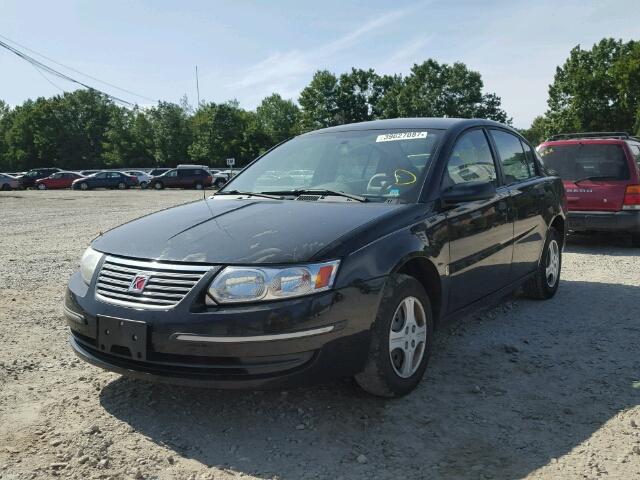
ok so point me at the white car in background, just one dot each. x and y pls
(143, 177)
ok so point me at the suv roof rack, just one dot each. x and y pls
(571, 136)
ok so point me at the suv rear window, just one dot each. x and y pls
(581, 161)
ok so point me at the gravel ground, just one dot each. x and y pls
(525, 390)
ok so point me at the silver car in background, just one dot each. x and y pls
(143, 177)
(8, 182)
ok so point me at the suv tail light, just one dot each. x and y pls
(631, 198)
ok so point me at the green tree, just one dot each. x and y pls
(277, 118)
(222, 131)
(128, 140)
(319, 101)
(597, 89)
(538, 131)
(171, 133)
(441, 90)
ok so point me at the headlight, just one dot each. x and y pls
(88, 264)
(248, 284)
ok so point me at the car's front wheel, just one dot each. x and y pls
(6, 186)
(158, 186)
(198, 186)
(84, 186)
(42, 186)
(143, 185)
(544, 284)
(401, 339)
(122, 186)
(219, 183)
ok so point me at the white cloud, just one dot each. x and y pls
(286, 72)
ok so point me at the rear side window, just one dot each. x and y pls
(516, 166)
(635, 150)
(583, 161)
(470, 161)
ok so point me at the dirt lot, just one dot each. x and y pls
(528, 389)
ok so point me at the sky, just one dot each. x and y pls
(246, 50)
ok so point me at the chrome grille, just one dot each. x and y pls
(166, 286)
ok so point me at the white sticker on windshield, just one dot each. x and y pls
(392, 137)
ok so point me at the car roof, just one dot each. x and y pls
(430, 122)
(580, 141)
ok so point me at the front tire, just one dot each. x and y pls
(401, 339)
(158, 186)
(143, 185)
(544, 283)
(42, 186)
(84, 186)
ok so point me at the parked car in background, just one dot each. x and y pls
(57, 180)
(29, 178)
(105, 179)
(8, 182)
(222, 177)
(406, 224)
(86, 173)
(601, 175)
(182, 177)
(143, 177)
(158, 171)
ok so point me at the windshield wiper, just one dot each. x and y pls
(594, 177)
(319, 191)
(250, 194)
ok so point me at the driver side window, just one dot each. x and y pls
(470, 161)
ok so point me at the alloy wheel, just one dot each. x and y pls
(407, 337)
(552, 269)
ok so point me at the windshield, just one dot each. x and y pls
(583, 161)
(375, 164)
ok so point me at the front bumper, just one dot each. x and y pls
(622, 221)
(277, 344)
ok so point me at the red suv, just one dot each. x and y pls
(601, 175)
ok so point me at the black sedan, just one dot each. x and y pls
(105, 179)
(278, 280)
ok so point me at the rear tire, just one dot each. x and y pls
(401, 339)
(143, 185)
(547, 277)
(198, 186)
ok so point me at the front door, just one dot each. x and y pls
(481, 232)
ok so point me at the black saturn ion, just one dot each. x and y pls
(337, 253)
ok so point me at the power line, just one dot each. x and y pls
(78, 71)
(52, 71)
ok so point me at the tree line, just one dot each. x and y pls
(84, 129)
(595, 90)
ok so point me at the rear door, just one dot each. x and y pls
(530, 195)
(595, 173)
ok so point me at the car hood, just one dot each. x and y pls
(234, 231)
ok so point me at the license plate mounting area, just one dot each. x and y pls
(125, 338)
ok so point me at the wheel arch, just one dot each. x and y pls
(559, 223)
(423, 270)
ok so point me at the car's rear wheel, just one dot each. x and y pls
(198, 186)
(84, 186)
(42, 186)
(401, 339)
(547, 278)
(158, 186)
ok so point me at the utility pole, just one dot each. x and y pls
(197, 88)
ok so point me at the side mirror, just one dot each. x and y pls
(468, 192)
